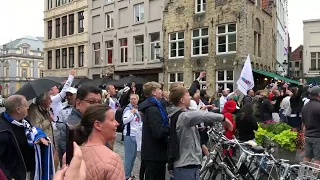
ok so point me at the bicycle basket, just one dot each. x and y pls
(309, 171)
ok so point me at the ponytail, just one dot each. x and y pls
(81, 134)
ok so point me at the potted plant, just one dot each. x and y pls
(281, 134)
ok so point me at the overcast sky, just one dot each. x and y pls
(24, 18)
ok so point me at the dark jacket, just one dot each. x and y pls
(154, 134)
(246, 125)
(246, 100)
(266, 109)
(311, 117)
(296, 103)
(16, 156)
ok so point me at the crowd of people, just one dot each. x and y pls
(167, 131)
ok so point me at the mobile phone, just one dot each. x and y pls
(70, 139)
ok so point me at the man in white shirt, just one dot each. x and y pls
(224, 98)
(56, 105)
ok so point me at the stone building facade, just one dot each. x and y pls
(21, 60)
(123, 36)
(66, 37)
(216, 36)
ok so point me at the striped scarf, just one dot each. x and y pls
(44, 169)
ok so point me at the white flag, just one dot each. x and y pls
(246, 81)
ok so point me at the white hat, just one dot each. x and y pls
(72, 90)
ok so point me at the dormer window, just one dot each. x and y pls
(25, 51)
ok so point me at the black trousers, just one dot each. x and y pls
(155, 170)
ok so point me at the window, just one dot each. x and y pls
(257, 44)
(175, 77)
(24, 72)
(296, 64)
(138, 12)
(58, 3)
(315, 61)
(81, 55)
(71, 57)
(154, 41)
(50, 4)
(49, 29)
(200, 42)
(49, 59)
(64, 2)
(176, 45)
(7, 72)
(57, 27)
(109, 51)
(109, 20)
(226, 38)
(41, 73)
(64, 25)
(109, 1)
(123, 50)
(138, 48)
(202, 82)
(64, 58)
(80, 22)
(71, 24)
(224, 80)
(25, 51)
(200, 6)
(96, 53)
(58, 59)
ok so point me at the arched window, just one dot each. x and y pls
(257, 37)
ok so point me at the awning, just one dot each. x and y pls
(313, 80)
(270, 74)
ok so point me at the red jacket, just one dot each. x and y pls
(229, 107)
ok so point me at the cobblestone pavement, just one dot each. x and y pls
(119, 148)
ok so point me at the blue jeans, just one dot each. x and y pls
(130, 154)
(186, 173)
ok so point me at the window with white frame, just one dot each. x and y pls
(138, 12)
(109, 51)
(226, 38)
(315, 61)
(175, 77)
(176, 45)
(138, 48)
(24, 72)
(123, 50)
(96, 53)
(202, 82)
(200, 42)
(109, 20)
(154, 41)
(200, 6)
(224, 80)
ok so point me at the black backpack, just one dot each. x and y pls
(118, 117)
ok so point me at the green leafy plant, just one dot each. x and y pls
(286, 139)
(280, 133)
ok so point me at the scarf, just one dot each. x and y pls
(163, 112)
(130, 106)
(44, 169)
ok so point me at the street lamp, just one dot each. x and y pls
(157, 49)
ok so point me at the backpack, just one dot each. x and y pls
(118, 117)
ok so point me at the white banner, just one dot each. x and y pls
(246, 81)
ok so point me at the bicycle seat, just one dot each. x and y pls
(257, 149)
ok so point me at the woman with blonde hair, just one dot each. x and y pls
(97, 127)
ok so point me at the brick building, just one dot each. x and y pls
(216, 36)
(295, 63)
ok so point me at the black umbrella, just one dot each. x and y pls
(37, 87)
(128, 80)
(79, 82)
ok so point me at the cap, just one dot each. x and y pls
(315, 90)
(72, 90)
